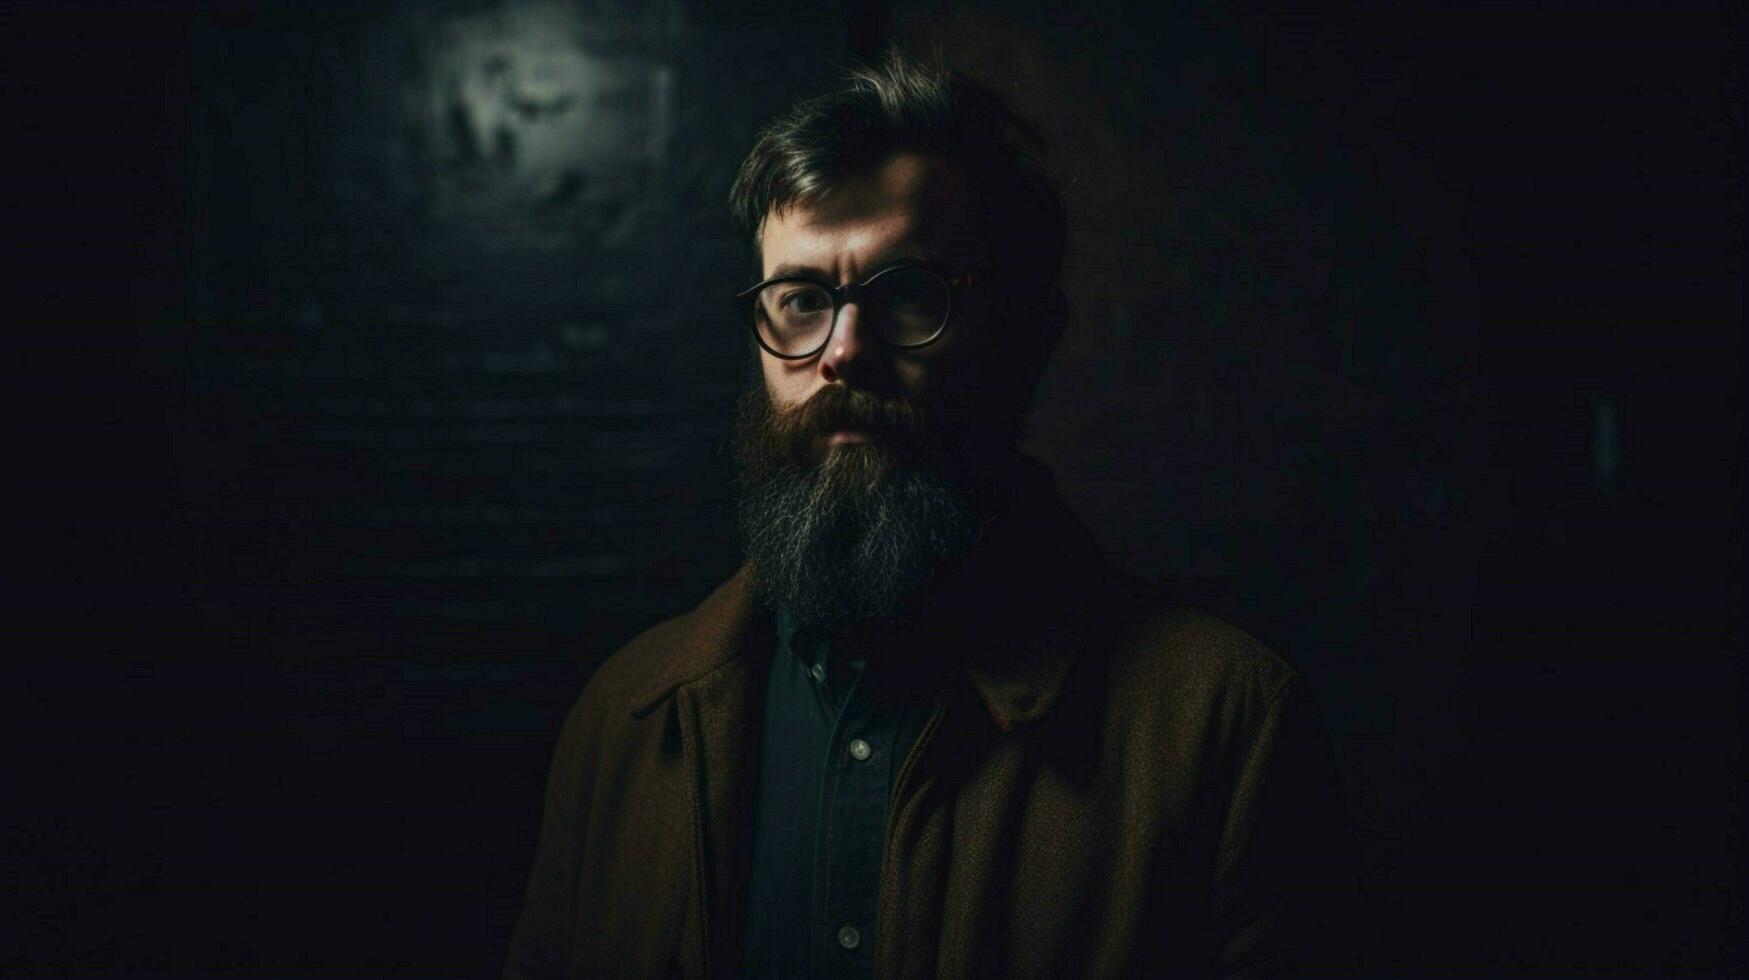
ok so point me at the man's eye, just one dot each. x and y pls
(804, 301)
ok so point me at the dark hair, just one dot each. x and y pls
(900, 104)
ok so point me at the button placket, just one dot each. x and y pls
(851, 829)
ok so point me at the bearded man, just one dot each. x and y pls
(925, 730)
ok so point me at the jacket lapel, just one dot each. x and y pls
(712, 678)
(710, 636)
(715, 717)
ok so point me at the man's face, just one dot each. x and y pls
(859, 465)
(913, 207)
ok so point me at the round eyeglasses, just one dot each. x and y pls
(908, 306)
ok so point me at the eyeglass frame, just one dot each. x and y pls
(847, 294)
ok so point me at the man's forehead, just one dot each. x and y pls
(909, 200)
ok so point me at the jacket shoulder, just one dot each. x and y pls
(637, 666)
(675, 650)
(1167, 649)
(601, 713)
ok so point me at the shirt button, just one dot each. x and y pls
(860, 750)
(848, 937)
(817, 672)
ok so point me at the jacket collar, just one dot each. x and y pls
(1013, 611)
(710, 636)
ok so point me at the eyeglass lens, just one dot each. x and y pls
(906, 307)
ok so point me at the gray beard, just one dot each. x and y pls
(852, 538)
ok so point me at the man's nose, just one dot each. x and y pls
(852, 352)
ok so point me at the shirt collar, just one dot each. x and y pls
(796, 637)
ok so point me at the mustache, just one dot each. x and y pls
(770, 437)
(835, 407)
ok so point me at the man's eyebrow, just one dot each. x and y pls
(795, 269)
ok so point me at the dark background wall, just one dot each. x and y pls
(373, 376)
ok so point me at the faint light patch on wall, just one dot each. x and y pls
(502, 166)
(531, 101)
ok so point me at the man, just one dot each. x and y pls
(925, 731)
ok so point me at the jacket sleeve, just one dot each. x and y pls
(540, 946)
(1287, 872)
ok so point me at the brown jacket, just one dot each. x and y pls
(1107, 786)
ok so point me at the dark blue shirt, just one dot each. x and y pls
(832, 738)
